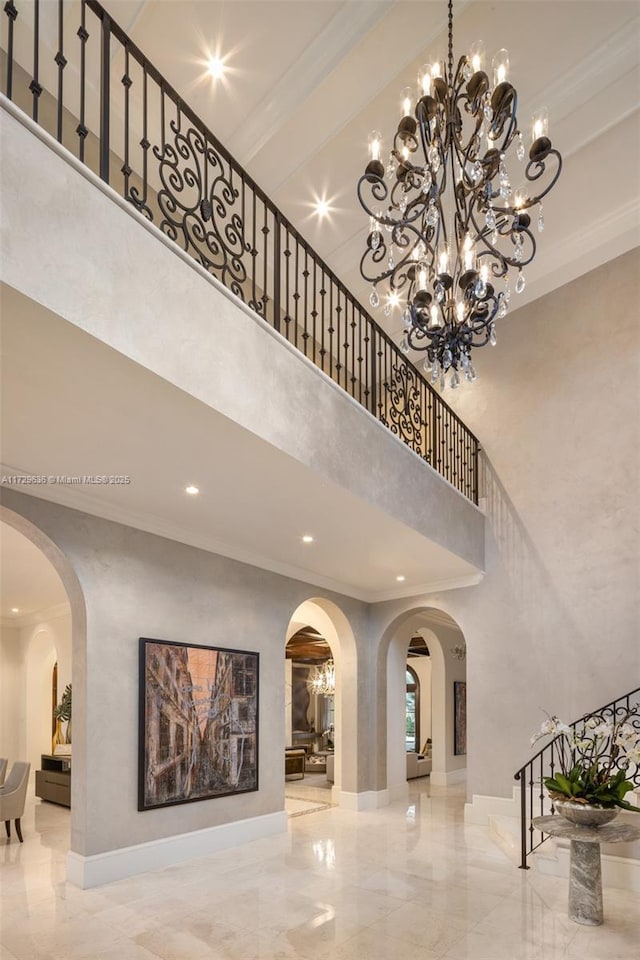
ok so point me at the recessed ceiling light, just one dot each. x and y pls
(307, 538)
(321, 208)
(400, 579)
(216, 67)
(15, 610)
(191, 490)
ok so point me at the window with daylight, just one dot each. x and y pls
(412, 716)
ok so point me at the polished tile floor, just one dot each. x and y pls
(410, 882)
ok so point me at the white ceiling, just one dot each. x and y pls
(307, 80)
(28, 581)
(73, 407)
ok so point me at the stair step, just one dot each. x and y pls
(552, 858)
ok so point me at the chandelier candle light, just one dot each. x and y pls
(446, 226)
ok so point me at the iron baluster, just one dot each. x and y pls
(331, 328)
(126, 82)
(297, 293)
(35, 86)
(523, 825)
(105, 64)
(287, 266)
(323, 294)
(314, 311)
(348, 370)
(11, 12)
(144, 143)
(339, 311)
(83, 36)
(276, 273)
(254, 253)
(305, 312)
(265, 261)
(61, 64)
(361, 349)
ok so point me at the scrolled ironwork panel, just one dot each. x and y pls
(200, 206)
(402, 412)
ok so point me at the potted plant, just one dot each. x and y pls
(594, 757)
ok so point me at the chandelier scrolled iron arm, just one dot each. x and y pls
(445, 225)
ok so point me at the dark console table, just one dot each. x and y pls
(53, 781)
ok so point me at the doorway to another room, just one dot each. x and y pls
(35, 690)
(310, 683)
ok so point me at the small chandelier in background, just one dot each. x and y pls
(322, 680)
(445, 224)
(459, 652)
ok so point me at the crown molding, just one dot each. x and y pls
(431, 587)
(344, 31)
(600, 69)
(410, 41)
(609, 237)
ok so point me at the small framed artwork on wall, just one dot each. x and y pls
(459, 717)
(198, 723)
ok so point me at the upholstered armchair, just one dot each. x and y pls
(3, 769)
(13, 793)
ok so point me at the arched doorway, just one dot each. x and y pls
(443, 639)
(56, 636)
(320, 623)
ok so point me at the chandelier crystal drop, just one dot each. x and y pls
(446, 225)
(322, 680)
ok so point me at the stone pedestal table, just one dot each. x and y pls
(585, 873)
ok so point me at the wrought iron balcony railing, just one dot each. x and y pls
(76, 72)
(533, 799)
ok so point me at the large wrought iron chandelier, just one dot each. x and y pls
(447, 228)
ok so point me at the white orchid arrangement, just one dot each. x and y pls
(595, 757)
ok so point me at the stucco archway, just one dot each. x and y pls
(71, 584)
(329, 620)
(441, 633)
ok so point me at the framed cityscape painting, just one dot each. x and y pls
(459, 717)
(198, 723)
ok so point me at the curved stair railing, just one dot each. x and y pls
(534, 801)
(75, 71)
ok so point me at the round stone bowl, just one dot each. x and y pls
(584, 814)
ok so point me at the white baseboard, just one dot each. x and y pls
(445, 779)
(92, 871)
(367, 800)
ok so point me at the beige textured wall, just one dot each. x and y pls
(555, 623)
(134, 585)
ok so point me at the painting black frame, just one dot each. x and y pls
(240, 666)
(459, 718)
